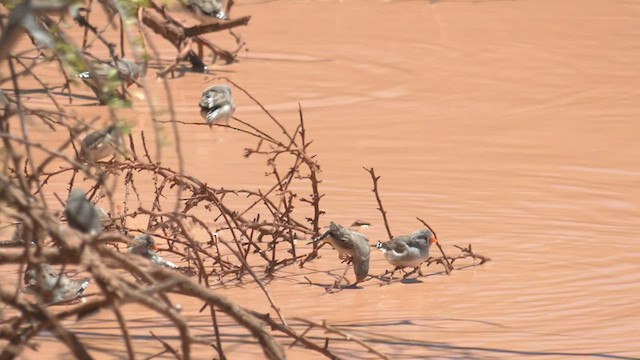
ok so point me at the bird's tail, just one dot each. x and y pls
(222, 15)
(83, 286)
(361, 268)
(212, 115)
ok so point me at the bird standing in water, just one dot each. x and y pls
(81, 214)
(53, 287)
(351, 246)
(216, 104)
(100, 144)
(144, 245)
(408, 250)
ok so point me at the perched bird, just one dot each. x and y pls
(217, 104)
(124, 69)
(205, 10)
(100, 144)
(18, 234)
(144, 245)
(16, 237)
(351, 246)
(81, 214)
(53, 287)
(101, 78)
(408, 250)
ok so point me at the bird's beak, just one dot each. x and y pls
(432, 240)
(154, 247)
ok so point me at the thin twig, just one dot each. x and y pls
(448, 267)
(375, 179)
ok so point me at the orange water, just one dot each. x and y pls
(511, 125)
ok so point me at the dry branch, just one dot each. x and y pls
(447, 265)
(159, 21)
(217, 243)
(375, 179)
(344, 335)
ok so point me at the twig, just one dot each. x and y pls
(375, 179)
(345, 335)
(167, 348)
(467, 252)
(298, 338)
(448, 267)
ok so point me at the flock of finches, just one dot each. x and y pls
(216, 105)
(42, 280)
(53, 287)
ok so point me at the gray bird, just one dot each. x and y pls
(103, 78)
(124, 69)
(351, 246)
(408, 250)
(16, 237)
(18, 234)
(216, 104)
(205, 10)
(44, 281)
(100, 144)
(81, 214)
(143, 245)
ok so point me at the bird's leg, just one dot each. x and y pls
(345, 258)
(406, 275)
(391, 272)
(336, 285)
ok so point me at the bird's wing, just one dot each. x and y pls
(205, 7)
(419, 238)
(81, 215)
(343, 236)
(397, 244)
(93, 138)
(212, 100)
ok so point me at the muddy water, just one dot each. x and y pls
(511, 125)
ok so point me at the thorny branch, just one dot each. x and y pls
(447, 266)
(344, 335)
(217, 235)
(375, 179)
(44, 240)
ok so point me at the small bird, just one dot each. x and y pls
(144, 245)
(100, 78)
(205, 10)
(124, 69)
(408, 250)
(100, 144)
(351, 246)
(18, 234)
(44, 281)
(217, 104)
(16, 237)
(81, 214)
